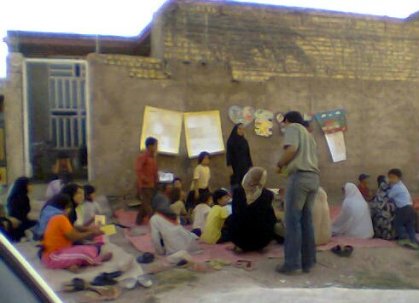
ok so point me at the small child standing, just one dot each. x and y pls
(201, 180)
(89, 208)
(200, 213)
(213, 231)
(404, 221)
(178, 206)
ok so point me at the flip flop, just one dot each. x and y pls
(75, 285)
(129, 283)
(144, 281)
(145, 258)
(345, 251)
(103, 280)
(244, 264)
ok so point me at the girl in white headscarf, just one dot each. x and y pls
(354, 219)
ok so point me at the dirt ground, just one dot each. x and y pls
(367, 268)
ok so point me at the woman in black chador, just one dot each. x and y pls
(238, 154)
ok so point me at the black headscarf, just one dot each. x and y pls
(18, 203)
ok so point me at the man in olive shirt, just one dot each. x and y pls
(300, 161)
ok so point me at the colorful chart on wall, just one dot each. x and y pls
(203, 133)
(336, 143)
(165, 126)
(263, 122)
(332, 121)
(239, 114)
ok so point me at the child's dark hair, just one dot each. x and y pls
(218, 194)
(88, 191)
(175, 195)
(202, 156)
(176, 179)
(396, 172)
(150, 141)
(60, 201)
(204, 196)
(70, 190)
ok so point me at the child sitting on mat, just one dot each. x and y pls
(200, 213)
(214, 231)
(178, 206)
(167, 234)
(59, 251)
(87, 211)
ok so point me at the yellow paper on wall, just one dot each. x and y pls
(109, 229)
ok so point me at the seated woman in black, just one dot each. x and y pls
(18, 206)
(253, 218)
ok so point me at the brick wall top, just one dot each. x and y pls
(260, 42)
(138, 67)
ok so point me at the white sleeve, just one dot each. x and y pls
(156, 236)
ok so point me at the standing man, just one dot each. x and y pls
(300, 161)
(147, 178)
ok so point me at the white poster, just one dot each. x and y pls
(203, 133)
(165, 126)
(336, 143)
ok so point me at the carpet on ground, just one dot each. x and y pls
(57, 277)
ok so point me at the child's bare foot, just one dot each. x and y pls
(74, 269)
(107, 256)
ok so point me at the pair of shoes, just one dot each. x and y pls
(345, 251)
(285, 270)
(131, 283)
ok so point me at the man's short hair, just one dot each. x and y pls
(396, 172)
(294, 117)
(150, 141)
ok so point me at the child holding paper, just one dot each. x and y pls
(59, 251)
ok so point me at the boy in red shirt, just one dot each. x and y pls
(147, 178)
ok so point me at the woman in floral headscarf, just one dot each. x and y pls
(253, 218)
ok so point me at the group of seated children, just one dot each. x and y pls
(389, 214)
(248, 221)
(65, 219)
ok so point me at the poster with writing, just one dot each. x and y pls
(203, 133)
(336, 143)
(165, 126)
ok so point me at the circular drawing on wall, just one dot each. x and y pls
(238, 114)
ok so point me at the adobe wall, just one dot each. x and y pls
(381, 118)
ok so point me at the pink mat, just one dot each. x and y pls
(126, 217)
(220, 251)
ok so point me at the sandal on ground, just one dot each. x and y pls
(104, 280)
(75, 285)
(244, 264)
(345, 251)
(145, 258)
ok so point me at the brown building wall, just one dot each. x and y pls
(265, 41)
(381, 117)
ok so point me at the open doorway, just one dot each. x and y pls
(55, 118)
